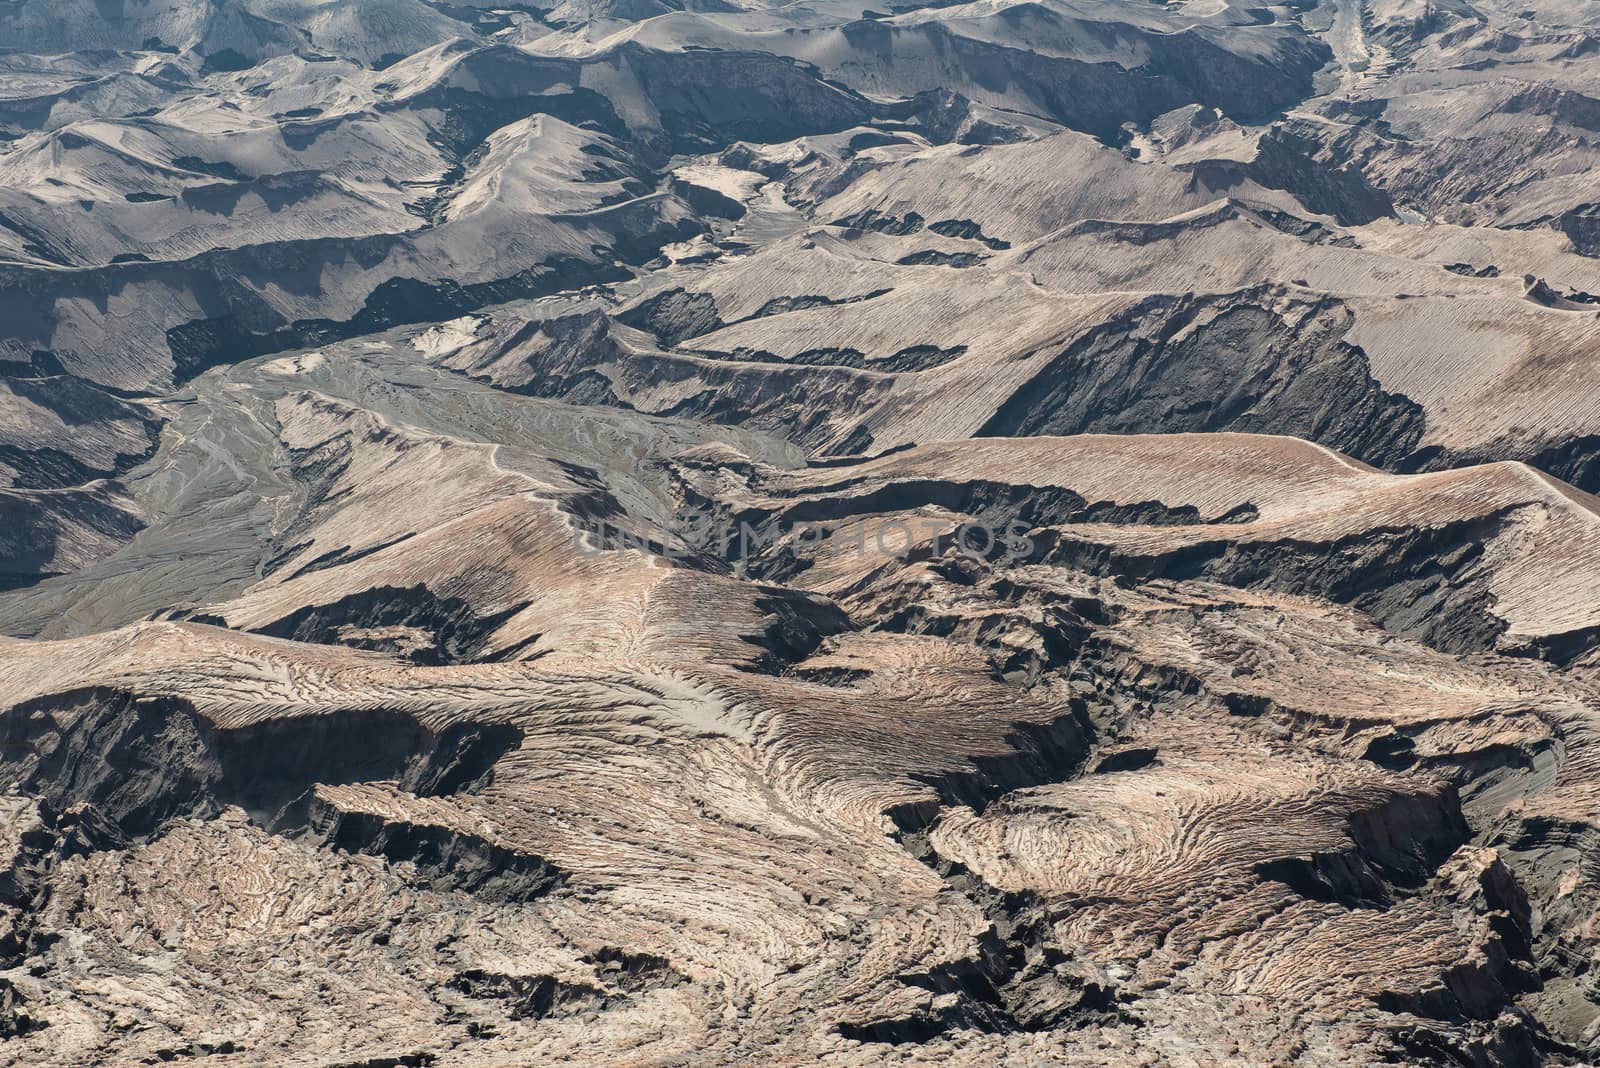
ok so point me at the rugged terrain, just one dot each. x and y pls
(631, 532)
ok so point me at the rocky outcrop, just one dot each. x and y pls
(56, 531)
(1211, 364)
(1007, 534)
(140, 763)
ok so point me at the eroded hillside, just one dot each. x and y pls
(741, 533)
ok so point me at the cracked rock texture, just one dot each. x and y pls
(618, 532)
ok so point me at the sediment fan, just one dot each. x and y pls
(744, 533)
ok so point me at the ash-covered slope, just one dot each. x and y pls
(724, 533)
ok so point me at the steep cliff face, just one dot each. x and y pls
(1210, 364)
